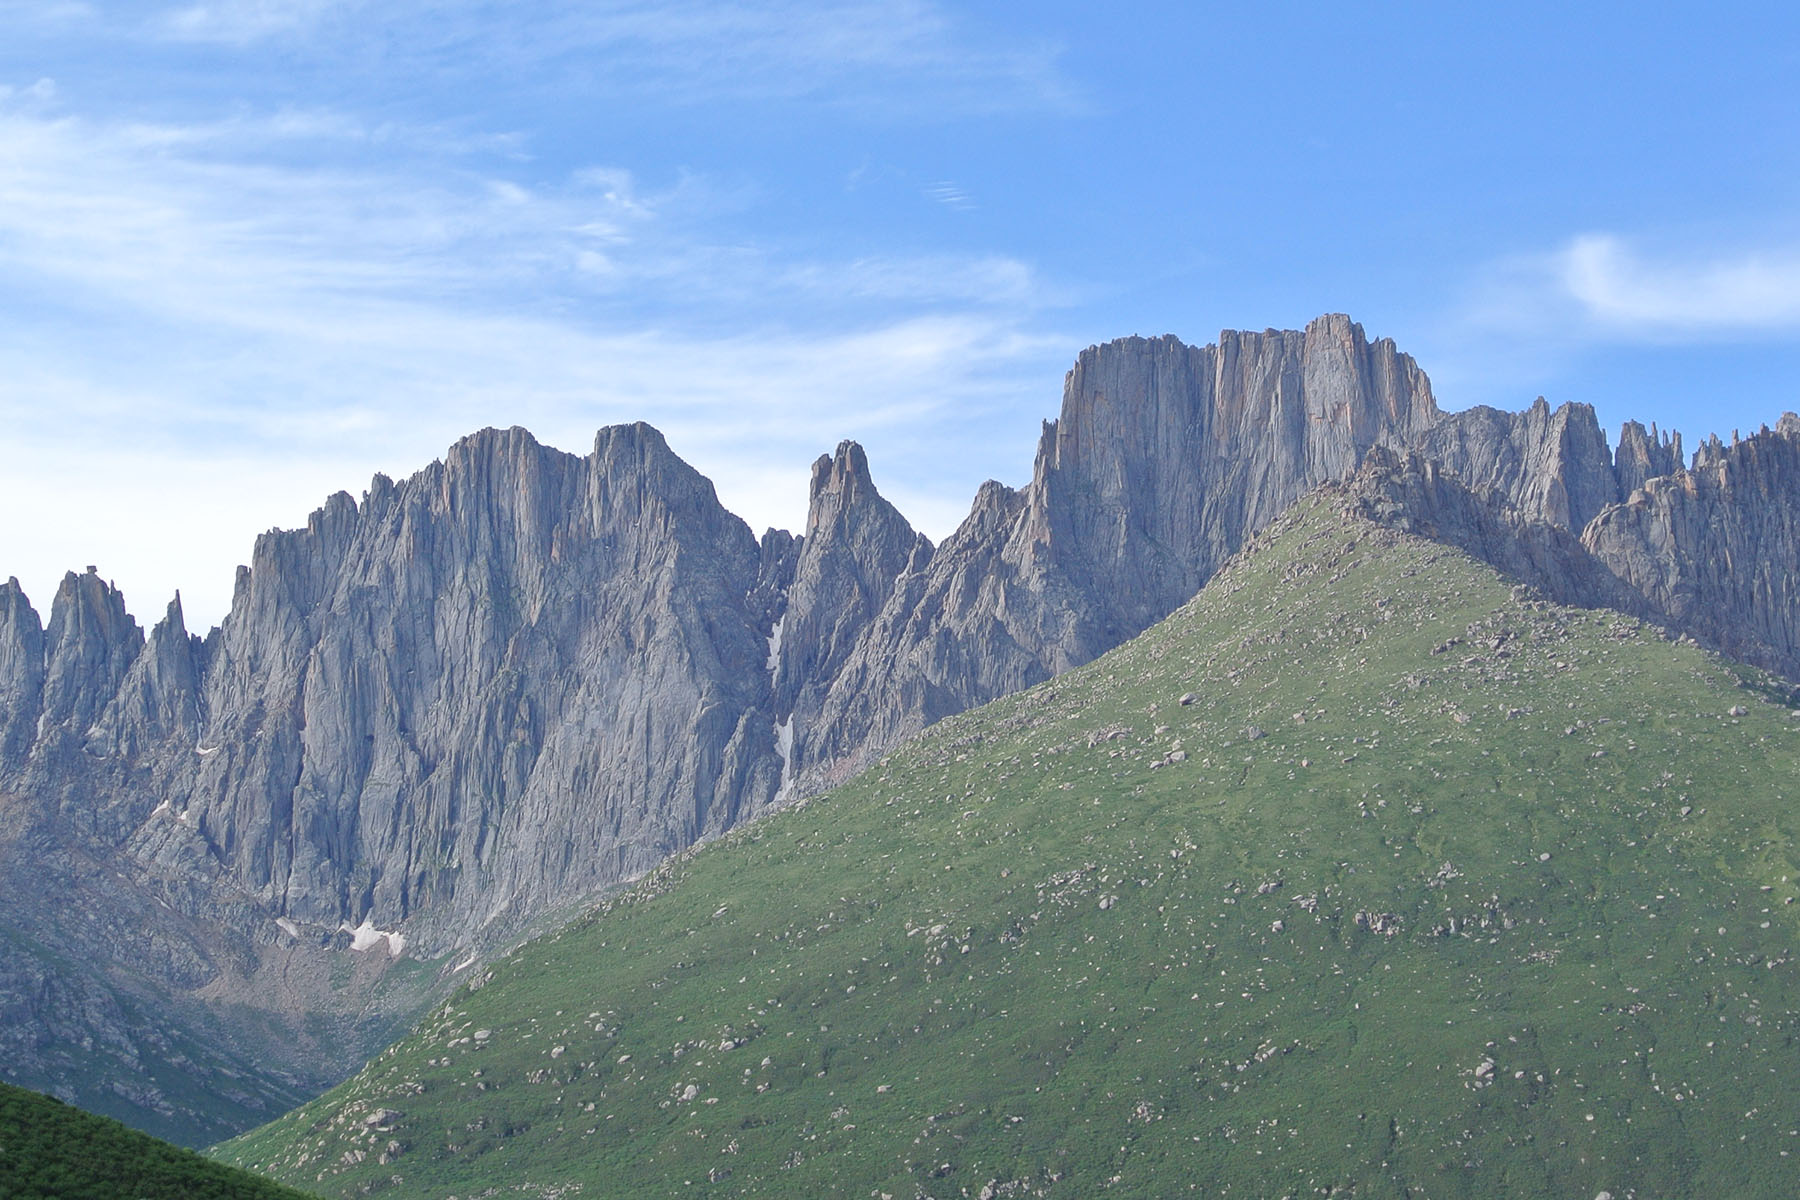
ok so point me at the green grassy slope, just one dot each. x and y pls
(50, 1151)
(1429, 890)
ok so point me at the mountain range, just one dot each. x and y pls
(1368, 872)
(444, 715)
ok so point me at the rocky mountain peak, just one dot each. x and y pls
(1644, 455)
(158, 706)
(642, 492)
(1377, 392)
(856, 546)
(89, 645)
(21, 674)
(838, 479)
(1548, 464)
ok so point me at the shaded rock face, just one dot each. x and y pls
(1547, 465)
(455, 698)
(1717, 547)
(89, 645)
(21, 674)
(855, 547)
(1415, 494)
(486, 693)
(438, 714)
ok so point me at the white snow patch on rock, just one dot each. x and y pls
(775, 645)
(784, 746)
(367, 937)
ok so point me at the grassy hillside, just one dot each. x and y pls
(49, 1151)
(1364, 874)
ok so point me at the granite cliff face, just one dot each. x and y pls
(410, 692)
(856, 545)
(479, 696)
(1165, 458)
(430, 718)
(1717, 547)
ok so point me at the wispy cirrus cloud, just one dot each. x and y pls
(949, 194)
(195, 317)
(909, 54)
(240, 22)
(46, 14)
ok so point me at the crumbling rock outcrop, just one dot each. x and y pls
(1717, 547)
(1549, 465)
(1415, 494)
(1644, 455)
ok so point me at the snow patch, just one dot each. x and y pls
(203, 751)
(784, 746)
(288, 927)
(775, 645)
(464, 965)
(366, 937)
(164, 807)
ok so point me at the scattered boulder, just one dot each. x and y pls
(1386, 924)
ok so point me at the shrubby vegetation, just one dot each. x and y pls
(50, 1151)
(1364, 874)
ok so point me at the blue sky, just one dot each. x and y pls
(257, 250)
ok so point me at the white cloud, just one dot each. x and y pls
(1619, 286)
(950, 195)
(40, 93)
(201, 342)
(987, 280)
(1603, 287)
